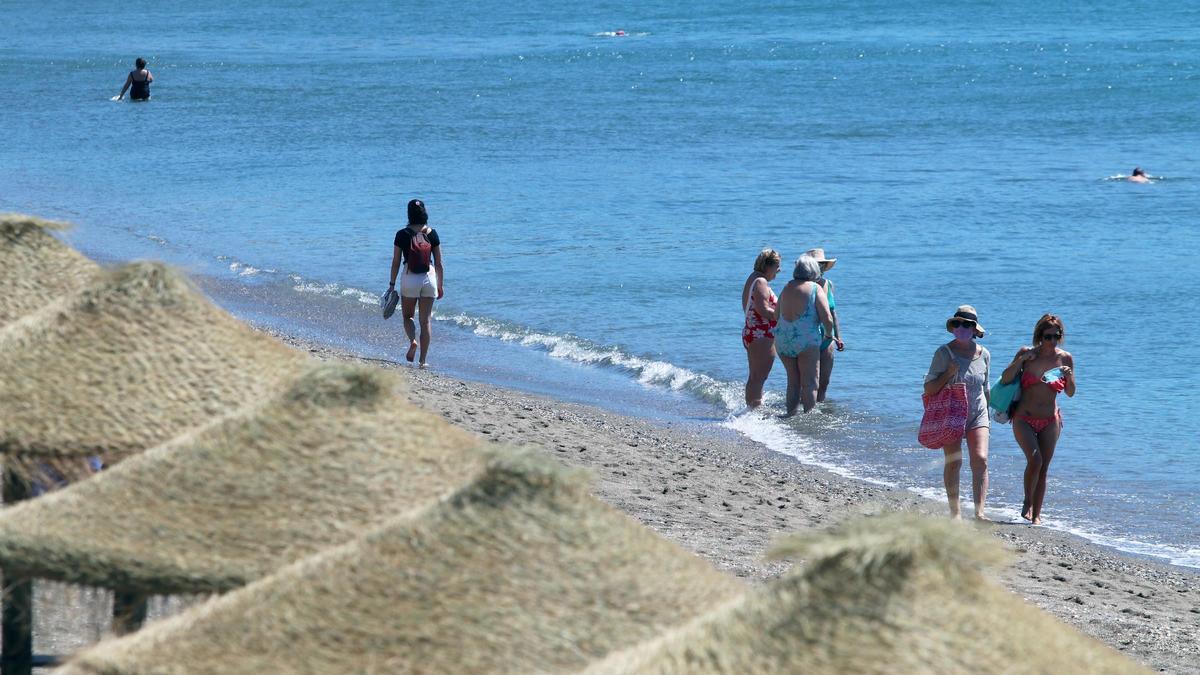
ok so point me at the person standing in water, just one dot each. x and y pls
(804, 321)
(833, 341)
(758, 330)
(137, 83)
(418, 249)
(1045, 371)
(963, 361)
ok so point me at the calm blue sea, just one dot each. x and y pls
(601, 198)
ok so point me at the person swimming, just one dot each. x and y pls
(1138, 176)
(137, 83)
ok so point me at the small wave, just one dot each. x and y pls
(647, 371)
(243, 269)
(775, 435)
(332, 290)
(157, 239)
(618, 33)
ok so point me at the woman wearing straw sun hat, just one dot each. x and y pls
(963, 361)
(835, 340)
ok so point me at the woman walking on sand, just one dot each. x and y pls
(758, 331)
(1045, 370)
(804, 321)
(418, 249)
(834, 340)
(137, 82)
(963, 361)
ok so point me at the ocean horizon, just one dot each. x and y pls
(602, 179)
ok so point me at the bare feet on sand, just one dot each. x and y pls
(412, 351)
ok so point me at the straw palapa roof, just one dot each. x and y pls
(520, 571)
(35, 267)
(133, 359)
(337, 453)
(886, 595)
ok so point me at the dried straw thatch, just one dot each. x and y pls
(133, 359)
(519, 571)
(338, 453)
(894, 594)
(35, 268)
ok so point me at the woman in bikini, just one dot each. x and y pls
(963, 361)
(758, 332)
(804, 321)
(1045, 370)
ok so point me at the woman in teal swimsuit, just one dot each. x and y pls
(804, 321)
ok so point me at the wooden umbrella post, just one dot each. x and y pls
(16, 653)
(129, 611)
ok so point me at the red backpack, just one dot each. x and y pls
(419, 252)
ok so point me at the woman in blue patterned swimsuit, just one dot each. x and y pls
(804, 321)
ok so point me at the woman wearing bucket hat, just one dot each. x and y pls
(1044, 370)
(963, 361)
(833, 341)
(758, 331)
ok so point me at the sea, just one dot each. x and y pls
(602, 176)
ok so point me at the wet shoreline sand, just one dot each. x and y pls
(726, 498)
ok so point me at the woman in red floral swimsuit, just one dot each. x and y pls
(758, 333)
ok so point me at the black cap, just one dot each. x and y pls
(416, 213)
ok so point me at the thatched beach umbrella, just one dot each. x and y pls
(35, 268)
(136, 357)
(336, 454)
(885, 595)
(133, 359)
(520, 571)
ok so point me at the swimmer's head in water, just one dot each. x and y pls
(140, 63)
(416, 213)
(1137, 171)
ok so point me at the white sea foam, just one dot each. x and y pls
(332, 290)
(649, 372)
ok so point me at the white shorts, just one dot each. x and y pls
(413, 285)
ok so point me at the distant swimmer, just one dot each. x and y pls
(137, 83)
(1138, 176)
(618, 33)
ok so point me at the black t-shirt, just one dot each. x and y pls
(404, 240)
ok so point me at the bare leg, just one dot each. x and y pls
(1028, 440)
(793, 383)
(977, 449)
(950, 476)
(760, 356)
(826, 371)
(1047, 441)
(408, 307)
(808, 362)
(426, 305)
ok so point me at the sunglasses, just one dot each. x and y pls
(1051, 336)
(961, 323)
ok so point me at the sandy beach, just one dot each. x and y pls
(726, 498)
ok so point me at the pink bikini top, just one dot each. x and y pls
(1029, 379)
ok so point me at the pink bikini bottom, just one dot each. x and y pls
(1039, 424)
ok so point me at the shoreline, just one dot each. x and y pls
(726, 497)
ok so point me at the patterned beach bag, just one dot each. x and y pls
(945, 418)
